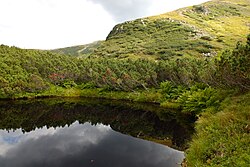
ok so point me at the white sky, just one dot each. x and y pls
(49, 24)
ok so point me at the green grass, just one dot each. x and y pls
(224, 20)
(139, 96)
(150, 95)
(78, 50)
(223, 139)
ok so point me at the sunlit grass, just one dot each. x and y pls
(222, 139)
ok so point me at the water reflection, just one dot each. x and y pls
(90, 132)
(82, 145)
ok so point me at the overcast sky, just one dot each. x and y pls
(48, 24)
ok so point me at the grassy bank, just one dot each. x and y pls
(150, 95)
(223, 136)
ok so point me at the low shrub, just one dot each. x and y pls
(196, 101)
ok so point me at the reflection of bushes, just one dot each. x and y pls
(132, 119)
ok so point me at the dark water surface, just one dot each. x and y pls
(90, 133)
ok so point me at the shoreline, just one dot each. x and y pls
(214, 126)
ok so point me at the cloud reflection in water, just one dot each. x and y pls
(82, 145)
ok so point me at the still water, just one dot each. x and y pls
(90, 133)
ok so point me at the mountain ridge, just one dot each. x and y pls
(200, 30)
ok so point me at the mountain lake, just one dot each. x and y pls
(85, 132)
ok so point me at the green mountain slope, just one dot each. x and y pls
(201, 30)
(78, 50)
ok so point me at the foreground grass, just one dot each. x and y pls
(223, 139)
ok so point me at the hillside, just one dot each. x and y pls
(78, 50)
(201, 30)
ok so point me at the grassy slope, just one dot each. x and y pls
(201, 30)
(226, 20)
(78, 50)
(223, 139)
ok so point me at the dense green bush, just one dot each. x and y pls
(233, 67)
(196, 101)
(171, 91)
(116, 74)
(34, 71)
(193, 100)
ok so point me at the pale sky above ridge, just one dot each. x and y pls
(49, 24)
